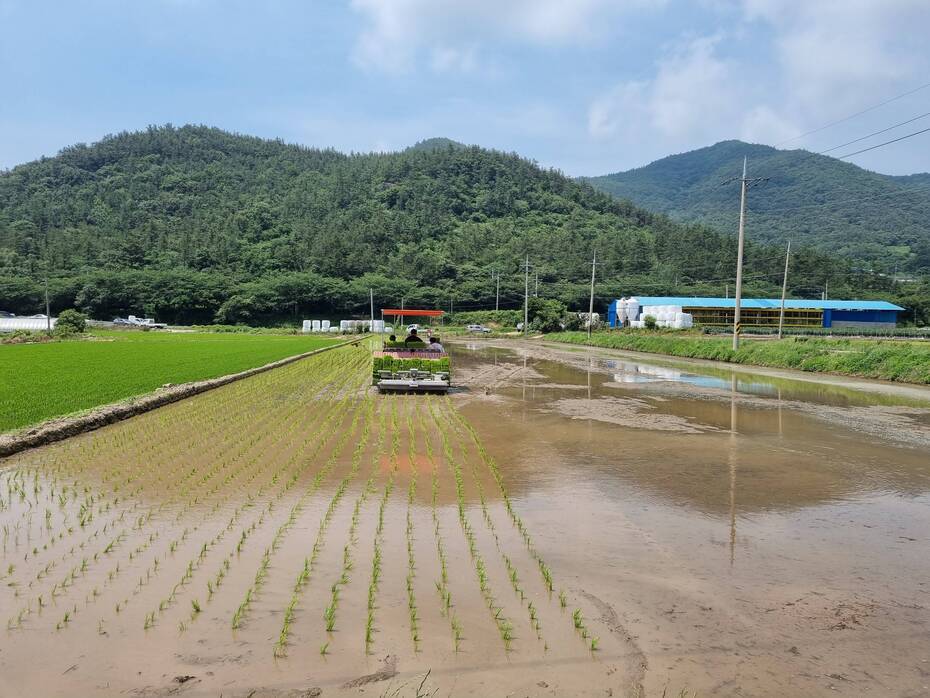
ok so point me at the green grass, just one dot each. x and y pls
(40, 381)
(894, 360)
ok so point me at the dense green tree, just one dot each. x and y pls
(808, 198)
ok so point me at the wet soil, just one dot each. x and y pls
(749, 533)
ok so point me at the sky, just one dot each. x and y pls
(585, 86)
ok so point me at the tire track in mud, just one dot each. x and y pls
(636, 663)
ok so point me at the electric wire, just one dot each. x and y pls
(880, 145)
(874, 133)
(853, 116)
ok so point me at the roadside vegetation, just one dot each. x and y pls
(40, 381)
(894, 360)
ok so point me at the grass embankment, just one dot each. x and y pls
(894, 360)
(40, 381)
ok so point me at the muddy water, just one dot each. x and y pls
(742, 533)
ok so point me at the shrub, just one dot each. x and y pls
(70, 322)
(649, 322)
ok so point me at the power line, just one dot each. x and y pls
(894, 140)
(913, 190)
(874, 133)
(853, 116)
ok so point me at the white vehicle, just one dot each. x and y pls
(145, 322)
(479, 329)
(414, 326)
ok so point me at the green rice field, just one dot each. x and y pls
(40, 381)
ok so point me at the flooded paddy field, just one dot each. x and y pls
(567, 522)
(743, 533)
(292, 534)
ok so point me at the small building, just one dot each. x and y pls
(764, 312)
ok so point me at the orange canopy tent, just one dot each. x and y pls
(400, 311)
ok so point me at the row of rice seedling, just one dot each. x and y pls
(367, 490)
(292, 465)
(517, 521)
(303, 577)
(504, 625)
(260, 575)
(331, 416)
(442, 584)
(166, 473)
(376, 560)
(512, 573)
(138, 525)
(131, 529)
(411, 561)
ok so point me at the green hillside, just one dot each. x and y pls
(195, 224)
(808, 198)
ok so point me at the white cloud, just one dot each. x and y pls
(839, 55)
(693, 99)
(783, 67)
(397, 32)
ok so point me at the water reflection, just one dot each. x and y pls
(776, 455)
(733, 456)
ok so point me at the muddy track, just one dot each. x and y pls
(636, 663)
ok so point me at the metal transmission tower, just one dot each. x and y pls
(745, 183)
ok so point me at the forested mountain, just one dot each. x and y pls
(808, 198)
(196, 224)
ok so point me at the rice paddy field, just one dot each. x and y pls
(41, 381)
(288, 531)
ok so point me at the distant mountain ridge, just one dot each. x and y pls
(879, 219)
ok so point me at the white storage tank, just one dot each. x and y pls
(632, 309)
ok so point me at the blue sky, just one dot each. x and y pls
(586, 86)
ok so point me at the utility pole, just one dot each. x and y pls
(496, 275)
(591, 302)
(371, 298)
(728, 291)
(826, 290)
(526, 296)
(745, 183)
(402, 303)
(48, 311)
(784, 290)
(536, 290)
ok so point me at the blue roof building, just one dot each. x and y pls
(764, 312)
